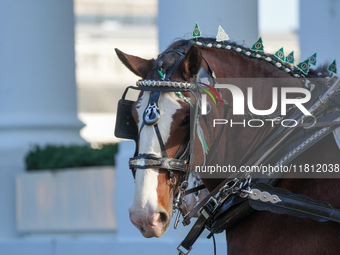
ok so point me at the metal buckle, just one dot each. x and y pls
(178, 217)
(214, 200)
(182, 252)
(215, 204)
(205, 214)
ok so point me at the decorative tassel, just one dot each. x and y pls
(200, 135)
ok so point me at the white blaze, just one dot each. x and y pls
(145, 199)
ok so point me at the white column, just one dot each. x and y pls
(37, 88)
(320, 30)
(177, 19)
(124, 192)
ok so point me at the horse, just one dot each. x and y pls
(260, 232)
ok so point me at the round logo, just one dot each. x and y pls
(304, 66)
(333, 67)
(312, 59)
(258, 45)
(196, 31)
(289, 58)
(280, 54)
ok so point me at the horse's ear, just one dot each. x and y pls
(192, 62)
(137, 65)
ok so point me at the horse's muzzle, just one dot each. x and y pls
(151, 225)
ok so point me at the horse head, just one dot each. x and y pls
(159, 116)
(163, 120)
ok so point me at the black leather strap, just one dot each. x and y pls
(184, 143)
(199, 225)
(193, 190)
(168, 75)
(294, 204)
(160, 141)
(194, 233)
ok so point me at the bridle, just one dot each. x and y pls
(182, 160)
(143, 161)
(127, 128)
(151, 117)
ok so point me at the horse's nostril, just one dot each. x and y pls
(164, 217)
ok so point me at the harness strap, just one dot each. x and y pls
(214, 192)
(192, 213)
(296, 205)
(193, 234)
(193, 190)
(209, 209)
(282, 201)
(160, 140)
(185, 140)
(168, 75)
(263, 158)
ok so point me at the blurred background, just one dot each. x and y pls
(65, 186)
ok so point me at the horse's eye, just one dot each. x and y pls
(186, 121)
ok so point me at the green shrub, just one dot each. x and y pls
(57, 157)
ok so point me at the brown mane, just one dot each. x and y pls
(183, 43)
(266, 68)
